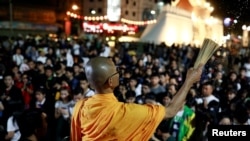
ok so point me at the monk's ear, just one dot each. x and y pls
(110, 81)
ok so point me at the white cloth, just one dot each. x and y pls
(42, 59)
(12, 126)
(247, 66)
(38, 103)
(138, 90)
(18, 59)
(76, 49)
(106, 52)
(70, 59)
(23, 67)
(89, 93)
(211, 98)
(64, 106)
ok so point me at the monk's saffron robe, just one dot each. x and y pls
(103, 118)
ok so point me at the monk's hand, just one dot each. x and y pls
(194, 74)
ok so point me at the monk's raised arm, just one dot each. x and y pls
(192, 76)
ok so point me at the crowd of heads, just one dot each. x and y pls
(149, 74)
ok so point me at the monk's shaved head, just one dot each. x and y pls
(98, 70)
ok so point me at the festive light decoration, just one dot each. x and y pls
(138, 22)
(108, 27)
(100, 26)
(104, 18)
(86, 18)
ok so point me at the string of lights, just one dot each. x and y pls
(103, 18)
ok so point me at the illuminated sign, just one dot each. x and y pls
(100, 27)
(114, 10)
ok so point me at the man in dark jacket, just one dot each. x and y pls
(11, 97)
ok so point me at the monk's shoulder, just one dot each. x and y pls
(79, 104)
(143, 107)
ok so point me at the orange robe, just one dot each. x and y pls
(103, 118)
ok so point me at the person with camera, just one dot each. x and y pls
(27, 89)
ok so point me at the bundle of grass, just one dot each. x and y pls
(208, 48)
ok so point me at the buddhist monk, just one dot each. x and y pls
(103, 118)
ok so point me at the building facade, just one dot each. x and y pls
(185, 22)
(50, 16)
(129, 9)
(27, 17)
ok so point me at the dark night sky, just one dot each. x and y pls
(236, 9)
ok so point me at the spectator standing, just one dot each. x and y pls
(13, 133)
(164, 79)
(72, 80)
(232, 81)
(33, 73)
(105, 51)
(207, 110)
(32, 53)
(78, 71)
(155, 85)
(182, 124)
(42, 56)
(40, 101)
(62, 114)
(77, 96)
(172, 89)
(145, 89)
(85, 88)
(130, 96)
(11, 97)
(247, 66)
(27, 89)
(32, 125)
(76, 50)
(134, 85)
(17, 57)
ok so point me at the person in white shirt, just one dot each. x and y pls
(13, 133)
(77, 95)
(18, 58)
(76, 50)
(84, 86)
(247, 66)
(69, 58)
(42, 56)
(105, 50)
(62, 114)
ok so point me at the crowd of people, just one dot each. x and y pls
(42, 79)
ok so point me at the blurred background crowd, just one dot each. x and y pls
(41, 80)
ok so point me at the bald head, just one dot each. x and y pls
(98, 70)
